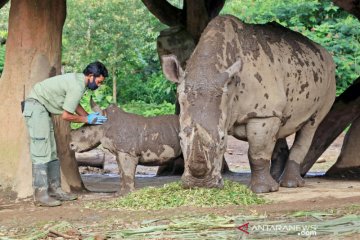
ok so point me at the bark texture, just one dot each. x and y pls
(348, 164)
(94, 158)
(71, 177)
(165, 12)
(344, 111)
(194, 15)
(33, 53)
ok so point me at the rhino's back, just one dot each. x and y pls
(150, 138)
(283, 74)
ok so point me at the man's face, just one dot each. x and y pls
(94, 82)
(98, 80)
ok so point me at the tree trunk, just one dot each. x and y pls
(344, 111)
(197, 18)
(177, 41)
(351, 6)
(165, 12)
(348, 164)
(114, 87)
(71, 177)
(33, 53)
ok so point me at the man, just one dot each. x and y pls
(57, 95)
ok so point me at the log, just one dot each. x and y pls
(344, 111)
(71, 179)
(348, 163)
(93, 158)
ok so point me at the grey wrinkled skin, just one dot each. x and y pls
(133, 139)
(258, 83)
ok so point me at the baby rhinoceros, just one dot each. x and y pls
(133, 139)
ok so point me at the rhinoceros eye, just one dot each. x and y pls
(83, 131)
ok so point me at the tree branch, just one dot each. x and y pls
(214, 7)
(165, 12)
(197, 17)
(351, 6)
(3, 2)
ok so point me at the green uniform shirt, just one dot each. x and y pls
(59, 93)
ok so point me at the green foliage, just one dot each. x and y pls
(173, 195)
(2, 58)
(320, 21)
(155, 89)
(4, 15)
(149, 109)
(121, 34)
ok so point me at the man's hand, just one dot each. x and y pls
(96, 118)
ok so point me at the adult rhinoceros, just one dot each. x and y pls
(257, 83)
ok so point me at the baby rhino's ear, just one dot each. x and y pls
(171, 68)
(95, 107)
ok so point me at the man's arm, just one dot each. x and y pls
(81, 116)
(74, 118)
(81, 111)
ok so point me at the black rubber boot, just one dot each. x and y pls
(40, 185)
(55, 190)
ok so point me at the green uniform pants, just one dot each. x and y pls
(41, 132)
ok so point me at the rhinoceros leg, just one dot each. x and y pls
(291, 176)
(261, 135)
(279, 157)
(127, 165)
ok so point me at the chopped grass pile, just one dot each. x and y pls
(174, 195)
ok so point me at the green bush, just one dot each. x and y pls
(121, 34)
(4, 15)
(2, 58)
(149, 109)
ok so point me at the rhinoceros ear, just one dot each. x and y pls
(235, 68)
(95, 107)
(171, 68)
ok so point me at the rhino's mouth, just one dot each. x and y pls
(77, 149)
(84, 150)
(208, 182)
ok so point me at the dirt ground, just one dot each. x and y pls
(18, 217)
